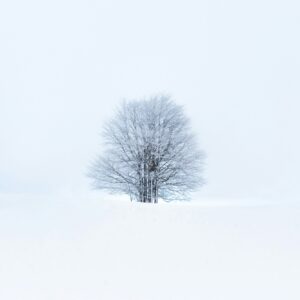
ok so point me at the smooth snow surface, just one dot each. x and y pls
(96, 249)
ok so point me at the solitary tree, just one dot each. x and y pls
(150, 152)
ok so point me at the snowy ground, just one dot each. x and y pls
(91, 249)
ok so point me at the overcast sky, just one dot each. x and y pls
(234, 65)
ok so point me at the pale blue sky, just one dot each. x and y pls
(235, 65)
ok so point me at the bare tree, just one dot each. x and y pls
(151, 152)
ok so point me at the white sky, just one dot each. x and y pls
(235, 65)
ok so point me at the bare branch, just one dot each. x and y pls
(150, 152)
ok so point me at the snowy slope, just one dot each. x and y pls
(70, 249)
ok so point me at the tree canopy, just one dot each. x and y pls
(150, 152)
